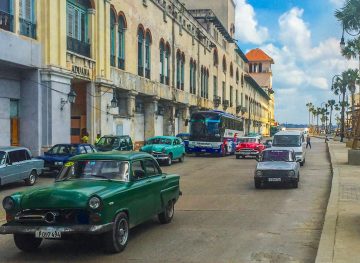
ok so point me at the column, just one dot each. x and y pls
(184, 115)
(169, 125)
(90, 111)
(116, 28)
(130, 101)
(151, 108)
(92, 34)
(5, 121)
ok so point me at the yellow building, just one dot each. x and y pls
(135, 67)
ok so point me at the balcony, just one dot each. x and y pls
(27, 28)
(225, 104)
(112, 60)
(141, 71)
(79, 47)
(162, 78)
(121, 63)
(6, 21)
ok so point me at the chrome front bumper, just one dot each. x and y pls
(75, 229)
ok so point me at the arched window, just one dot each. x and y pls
(113, 22)
(178, 69)
(167, 63)
(237, 76)
(231, 70)
(121, 29)
(162, 61)
(140, 37)
(224, 64)
(148, 41)
(27, 18)
(194, 78)
(191, 74)
(216, 57)
(6, 21)
(242, 80)
(77, 26)
(182, 71)
(202, 81)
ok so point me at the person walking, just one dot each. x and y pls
(85, 138)
(308, 141)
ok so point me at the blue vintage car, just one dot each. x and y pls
(16, 164)
(185, 138)
(61, 153)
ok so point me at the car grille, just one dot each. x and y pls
(59, 216)
(279, 173)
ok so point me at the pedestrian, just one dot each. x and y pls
(308, 141)
(326, 139)
(98, 137)
(85, 138)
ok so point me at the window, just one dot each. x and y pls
(236, 98)
(27, 18)
(224, 64)
(121, 30)
(231, 70)
(112, 37)
(167, 64)
(17, 156)
(215, 86)
(192, 76)
(162, 61)
(216, 58)
(231, 96)
(140, 36)
(151, 168)
(148, 54)
(138, 170)
(237, 76)
(223, 91)
(178, 69)
(182, 84)
(77, 27)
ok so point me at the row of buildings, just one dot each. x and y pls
(137, 67)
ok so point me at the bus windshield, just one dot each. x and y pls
(205, 127)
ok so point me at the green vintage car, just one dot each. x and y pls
(165, 149)
(102, 194)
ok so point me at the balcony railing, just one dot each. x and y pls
(112, 60)
(147, 73)
(77, 46)
(27, 28)
(6, 21)
(121, 63)
(167, 80)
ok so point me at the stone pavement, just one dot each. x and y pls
(340, 238)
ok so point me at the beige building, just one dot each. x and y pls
(136, 67)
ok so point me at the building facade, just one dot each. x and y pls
(118, 67)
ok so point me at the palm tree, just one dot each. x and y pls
(339, 87)
(352, 49)
(332, 104)
(318, 112)
(348, 15)
(310, 106)
(314, 112)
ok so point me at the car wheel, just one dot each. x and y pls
(116, 240)
(169, 160)
(257, 184)
(295, 184)
(31, 180)
(167, 215)
(27, 242)
(302, 163)
(182, 158)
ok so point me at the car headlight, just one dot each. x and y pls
(291, 173)
(94, 203)
(259, 173)
(8, 203)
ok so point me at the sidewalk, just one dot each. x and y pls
(340, 238)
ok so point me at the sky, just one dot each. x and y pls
(302, 36)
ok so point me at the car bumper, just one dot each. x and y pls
(160, 157)
(203, 150)
(75, 229)
(276, 180)
(247, 153)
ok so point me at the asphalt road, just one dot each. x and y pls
(221, 217)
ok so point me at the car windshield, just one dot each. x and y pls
(108, 141)
(159, 141)
(247, 140)
(63, 149)
(2, 157)
(95, 170)
(277, 156)
(287, 140)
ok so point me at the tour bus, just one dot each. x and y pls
(214, 132)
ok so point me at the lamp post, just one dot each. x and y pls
(342, 103)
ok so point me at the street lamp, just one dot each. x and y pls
(71, 97)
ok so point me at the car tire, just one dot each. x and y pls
(169, 160)
(27, 242)
(302, 163)
(295, 184)
(257, 184)
(31, 180)
(167, 215)
(116, 240)
(182, 158)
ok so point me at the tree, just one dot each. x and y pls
(348, 15)
(310, 106)
(332, 104)
(352, 49)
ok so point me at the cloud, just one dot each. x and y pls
(337, 3)
(247, 27)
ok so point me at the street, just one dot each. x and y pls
(220, 217)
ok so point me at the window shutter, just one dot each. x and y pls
(76, 24)
(70, 20)
(28, 10)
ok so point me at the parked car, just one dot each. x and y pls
(61, 153)
(165, 149)
(249, 146)
(17, 164)
(294, 140)
(277, 166)
(185, 138)
(102, 194)
(114, 143)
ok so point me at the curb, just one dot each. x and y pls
(326, 247)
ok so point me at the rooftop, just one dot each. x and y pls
(258, 55)
(113, 155)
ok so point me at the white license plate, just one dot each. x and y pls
(50, 234)
(274, 179)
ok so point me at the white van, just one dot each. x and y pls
(291, 139)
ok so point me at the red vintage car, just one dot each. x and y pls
(249, 146)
